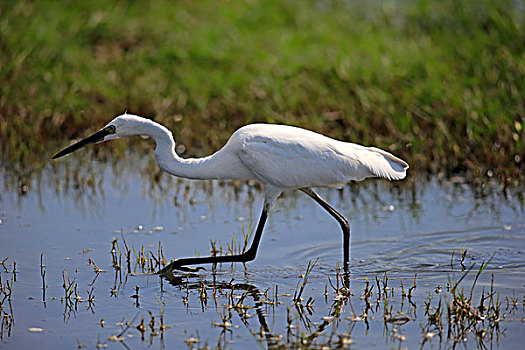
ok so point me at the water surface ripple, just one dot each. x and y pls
(73, 218)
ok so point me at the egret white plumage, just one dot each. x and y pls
(279, 156)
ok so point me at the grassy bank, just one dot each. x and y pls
(441, 84)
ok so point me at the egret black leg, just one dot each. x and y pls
(345, 225)
(249, 255)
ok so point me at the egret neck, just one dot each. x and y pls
(220, 165)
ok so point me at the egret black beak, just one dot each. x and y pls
(96, 137)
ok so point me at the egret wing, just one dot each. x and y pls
(300, 162)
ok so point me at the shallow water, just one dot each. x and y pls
(408, 228)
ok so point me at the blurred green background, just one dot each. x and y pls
(439, 83)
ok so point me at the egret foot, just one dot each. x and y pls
(175, 265)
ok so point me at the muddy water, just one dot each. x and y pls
(399, 231)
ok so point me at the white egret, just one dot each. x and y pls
(279, 156)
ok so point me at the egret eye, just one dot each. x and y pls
(111, 129)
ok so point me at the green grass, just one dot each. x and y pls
(441, 84)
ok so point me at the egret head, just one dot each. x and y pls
(121, 126)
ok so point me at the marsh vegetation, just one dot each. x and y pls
(439, 83)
